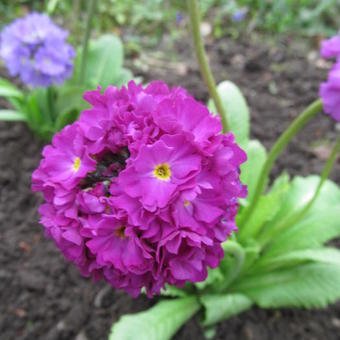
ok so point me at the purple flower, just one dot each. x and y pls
(330, 93)
(331, 47)
(35, 49)
(142, 189)
(239, 14)
(330, 90)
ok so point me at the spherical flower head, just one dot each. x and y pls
(330, 93)
(331, 48)
(330, 90)
(143, 189)
(35, 49)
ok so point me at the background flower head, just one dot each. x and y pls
(35, 49)
(330, 90)
(139, 191)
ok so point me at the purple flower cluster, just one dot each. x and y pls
(330, 90)
(142, 189)
(34, 48)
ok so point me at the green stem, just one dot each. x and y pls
(266, 237)
(203, 61)
(90, 14)
(280, 144)
(236, 250)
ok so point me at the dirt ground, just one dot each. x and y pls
(43, 297)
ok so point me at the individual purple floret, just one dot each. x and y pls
(143, 189)
(35, 49)
(330, 90)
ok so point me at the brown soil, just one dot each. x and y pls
(43, 297)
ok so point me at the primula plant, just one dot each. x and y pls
(34, 49)
(158, 194)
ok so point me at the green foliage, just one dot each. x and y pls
(11, 116)
(267, 208)
(236, 108)
(308, 17)
(46, 111)
(160, 322)
(251, 170)
(104, 62)
(221, 307)
(310, 285)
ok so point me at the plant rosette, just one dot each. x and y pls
(52, 97)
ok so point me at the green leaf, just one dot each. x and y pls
(222, 307)
(124, 76)
(215, 276)
(309, 285)
(70, 98)
(160, 322)
(301, 191)
(11, 116)
(104, 60)
(7, 89)
(237, 110)
(66, 118)
(51, 6)
(311, 232)
(173, 291)
(251, 169)
(320, 224)
(267, 207)
(38, 114)
(323, 255)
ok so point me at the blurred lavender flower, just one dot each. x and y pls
(34, 48)
(239, 14)
(179, 17)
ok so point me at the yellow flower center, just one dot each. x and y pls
(186, 203)
(76, 164)
(162, 171)
(120, 232)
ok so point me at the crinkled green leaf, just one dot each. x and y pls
(160, 322)
(294, 258)
(320, 224)
(222, 307)
(311, 232)
(7, 89)
(301, 191)
(251, 169)
(309, 285)
(237, 110)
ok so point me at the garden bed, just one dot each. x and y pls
(44, 297)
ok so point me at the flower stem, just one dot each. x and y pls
(90, 14)
(280, 144)
(203, 61)
(296, 217)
